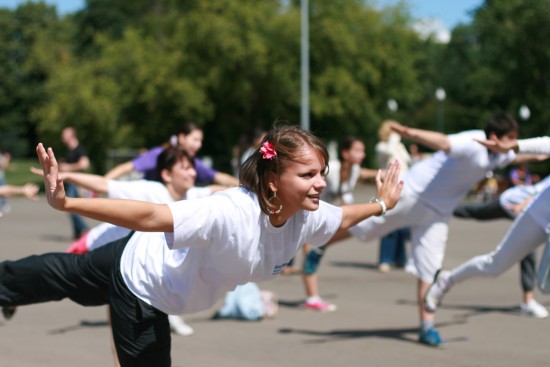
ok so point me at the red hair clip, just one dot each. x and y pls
(268, 150)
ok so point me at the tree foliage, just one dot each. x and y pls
(129, 73)
(500, 62)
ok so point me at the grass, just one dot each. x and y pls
(18, 172)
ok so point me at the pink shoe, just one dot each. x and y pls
(79, 246)
(320, 305)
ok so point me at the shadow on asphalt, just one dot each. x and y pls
(81, 325)
(471, 310)
(408, 335)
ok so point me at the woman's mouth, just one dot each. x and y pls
(315, 198)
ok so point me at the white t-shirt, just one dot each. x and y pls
(335, 192)
(517, 194)
(443, 180)
(540, 145)
(145, 190)
(218, 243)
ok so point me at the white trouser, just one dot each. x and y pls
(524, 236)
(429, 231)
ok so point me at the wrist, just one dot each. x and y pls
(382, 204)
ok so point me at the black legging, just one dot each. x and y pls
(141, 332)
(493, 210)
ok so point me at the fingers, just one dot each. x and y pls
(400, 129)
(390, 189)
(487, 143)
(378, 180)
(392, 173)
(31, 190)
(49, 167)
(41, 153)
(397, 127)
(37, 171)
(495, 146)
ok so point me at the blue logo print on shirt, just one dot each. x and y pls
(279, 268)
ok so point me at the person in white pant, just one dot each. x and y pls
(433, 188)
(507, 206)
(530, 229)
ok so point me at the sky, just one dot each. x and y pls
(439, 15)
(449, 12)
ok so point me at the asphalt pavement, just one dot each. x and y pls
(376, 322)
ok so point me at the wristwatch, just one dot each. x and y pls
(376, 199)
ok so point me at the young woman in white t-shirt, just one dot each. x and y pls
(191, 252)
(174, 180)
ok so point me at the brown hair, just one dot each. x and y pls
(500, 124)
(384, 130)
(168, 158)
(289, 143)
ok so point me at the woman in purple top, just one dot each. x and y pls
(190, 139)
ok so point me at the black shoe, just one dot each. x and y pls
(8, 312)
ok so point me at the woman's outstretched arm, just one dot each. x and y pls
(89, 181)
(136, 215)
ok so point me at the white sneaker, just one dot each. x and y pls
(178, 326)
(533, 309)
(437, 290)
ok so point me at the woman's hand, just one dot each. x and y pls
(30, 191)
(53, 184)
(402, 130)
(389, 189)
(498, 145)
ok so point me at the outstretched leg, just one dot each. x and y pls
(55, 276)
(525, 235)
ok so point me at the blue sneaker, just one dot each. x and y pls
(313, 258)
(430, 337)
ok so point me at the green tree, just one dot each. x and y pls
(33, 39)
(141, 69)
(499, 62)
(361, 57)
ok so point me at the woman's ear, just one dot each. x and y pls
(273, 186)
(166, 176)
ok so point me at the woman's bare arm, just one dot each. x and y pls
(137, 215)
(89, 181)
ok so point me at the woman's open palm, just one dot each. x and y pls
(390, 188)
(53, 185)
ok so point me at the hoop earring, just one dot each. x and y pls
(274, 212)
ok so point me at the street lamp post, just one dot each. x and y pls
(440, 95)
(305, 64)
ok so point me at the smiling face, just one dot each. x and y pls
(301, 183)
(191, 142)
(355, 154)
(180, 178)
